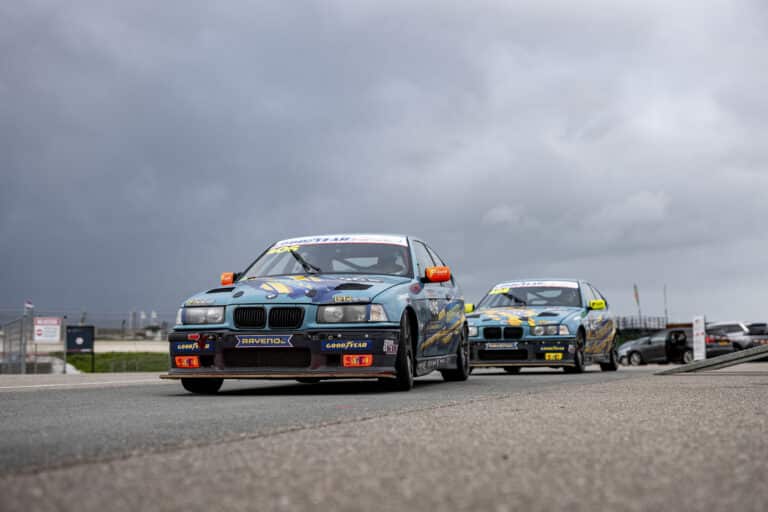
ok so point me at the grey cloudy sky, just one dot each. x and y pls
(147, 146)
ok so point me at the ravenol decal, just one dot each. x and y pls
(264, 341)
(345, 345)
(190, 346)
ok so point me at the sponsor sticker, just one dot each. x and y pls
(536, 284)
(343, 239)
(264, 341)
(345, 345)
(190, 346)
(390, 347)
(501, 346)
(199, 302)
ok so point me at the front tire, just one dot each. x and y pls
(688, 356)
(403, 380)
(578, 356)
(635, 359)
(461, 372)
(202, 386)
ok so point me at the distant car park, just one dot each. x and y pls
(670, 346)
(743, 335)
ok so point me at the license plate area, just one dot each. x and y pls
(553, 356)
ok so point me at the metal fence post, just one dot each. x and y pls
(23, 347)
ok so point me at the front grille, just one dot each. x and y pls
(498, 355)
(285, 318)
(250, 317)
(513, 333)
(267, 357)
(492, 333)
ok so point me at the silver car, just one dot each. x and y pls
(743, 335)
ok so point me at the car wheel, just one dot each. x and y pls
(202, 386)
(308, 380)
(578, 356)
(403, 380)
(635, 359)
(688, 356)
(512, 369)
(624, 360)
(612, 365)
(461, 372)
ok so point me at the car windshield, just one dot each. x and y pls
(332, 258)
(532, 295)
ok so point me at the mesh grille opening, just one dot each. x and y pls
(267, 357)
(492, 333)
(286, 318)
(250, 317)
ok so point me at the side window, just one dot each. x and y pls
(598, 295)
(423, 259)
(733, 328)
(439, 261)
(659, 337)
(588, 294)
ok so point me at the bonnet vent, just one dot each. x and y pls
(221, 290)
(353, 286)
(548, 313)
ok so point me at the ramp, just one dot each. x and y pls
(742, 356)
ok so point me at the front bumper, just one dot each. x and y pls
(283, 355)
(542, 352)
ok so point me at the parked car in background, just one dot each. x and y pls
(557, 323)
(670, 346)
(743, 335)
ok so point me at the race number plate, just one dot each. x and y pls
(553, 356)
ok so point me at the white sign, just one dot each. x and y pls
(699, 338)
(344, 239)
(47, 329)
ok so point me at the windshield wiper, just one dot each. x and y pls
(516, 298)
(307, 266)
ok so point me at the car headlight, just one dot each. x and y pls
(550, 330)
(351, 314)
(473, 331)
(202, 315)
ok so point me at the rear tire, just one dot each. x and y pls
(512, 369)
(202, 386)
(613, 363)
(403, 380)
(461, 372)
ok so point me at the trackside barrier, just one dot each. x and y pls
(742, 356)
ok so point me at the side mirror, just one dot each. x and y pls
(469, 307)
(596, 305)
(228, 278)
(438, 274)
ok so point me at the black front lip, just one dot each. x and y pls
(520, 353)
(323, 362)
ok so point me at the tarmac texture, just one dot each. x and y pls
(644, 443)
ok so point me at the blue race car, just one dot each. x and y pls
(323, 307)
(556, 323)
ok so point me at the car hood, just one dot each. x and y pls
(302, 289)
(537, 315)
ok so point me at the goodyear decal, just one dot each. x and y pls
(264, 341)
(189, 346)
(555, 348)
(345, 345)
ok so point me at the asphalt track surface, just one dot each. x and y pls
(535, 441)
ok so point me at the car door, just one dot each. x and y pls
(656, 349)
(430, 302)
(605, 328)
(590, 319)
(451, 314)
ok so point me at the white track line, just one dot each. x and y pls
(66, 385)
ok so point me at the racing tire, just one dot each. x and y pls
(635, 359)
(461, 372)
(404, 366)
(613, 362)
(688, 356)
(512, 369)
(308, 380)
(202, 386)
(578, 357)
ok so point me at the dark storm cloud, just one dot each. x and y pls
(145, 147)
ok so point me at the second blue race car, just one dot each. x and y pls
(560, 323)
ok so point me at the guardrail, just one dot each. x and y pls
(742, 356)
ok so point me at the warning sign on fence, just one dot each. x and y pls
(47, 329)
